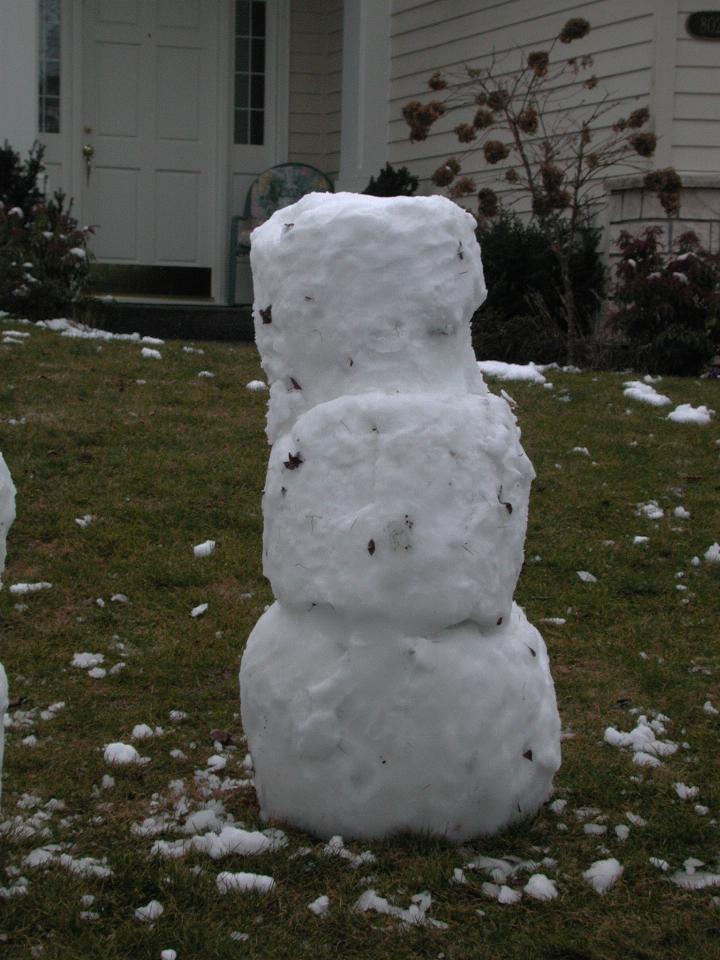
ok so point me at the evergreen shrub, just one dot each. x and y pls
(44, 260)
(523, 317)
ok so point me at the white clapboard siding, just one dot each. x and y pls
(315, 83)
(447, 34)
(696, 121)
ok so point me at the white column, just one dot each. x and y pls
(365, 89)
(662, 94)
(19, 73)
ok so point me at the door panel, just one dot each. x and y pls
(149, 117)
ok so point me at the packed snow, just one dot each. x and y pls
(7, 516)
(603, 874)
(686, 413)
(395, 512)
(528, 372)
(644, 393)
(204, 549)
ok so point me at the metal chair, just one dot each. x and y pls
(272, 190)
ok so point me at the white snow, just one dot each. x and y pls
(23, 588)
(85, 520)
(643, 741)
(86, 660)
(685, 792)
(603, 874)
(320, 906)
(204, 549)
(540, 887)
(242, 882)
(415, 915)
(151, 911)
(710, 709)
(206, 373)
(151, 354)
(255, 386)
(511, 371)
(644, 393)
(681, 513)
(711, 555)
(395, 511)
(586, 577)
(686, 413)
(121, 754)
(141, 731)
(199, 610)
(651, 510)
(637, 540)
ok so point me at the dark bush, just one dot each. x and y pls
(522, 318)
(392, 182)
(667, 305)
(44, 261)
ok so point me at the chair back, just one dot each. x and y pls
(280, 186)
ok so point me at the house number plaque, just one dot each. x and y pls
(705, 24)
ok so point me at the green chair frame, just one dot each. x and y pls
(275, 188)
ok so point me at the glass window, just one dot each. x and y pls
(49, 80)
(249, 105)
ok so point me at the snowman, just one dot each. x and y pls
(7, 515)
(394, 685)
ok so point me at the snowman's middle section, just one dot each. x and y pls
(408, 507)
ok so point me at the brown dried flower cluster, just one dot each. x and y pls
(420, 117)
(483, 119)
(495, 151)
(538, 62)
(445, 174)
(527, 120)
(465, 132)
(488, 204)
(575, 29)
(638, 118)
(463, 187)
(667, 185)
(643, 144)
(511, 175)
(436, 81)
(498, 99)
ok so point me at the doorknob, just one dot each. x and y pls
(88, 152)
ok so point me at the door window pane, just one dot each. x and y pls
(49, 63)
(249, 105)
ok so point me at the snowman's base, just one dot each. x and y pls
(356, 729)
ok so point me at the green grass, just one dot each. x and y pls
(178, 459)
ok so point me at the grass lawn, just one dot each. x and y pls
(163, 459)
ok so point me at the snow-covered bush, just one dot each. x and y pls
(667, 303)
(44, 260)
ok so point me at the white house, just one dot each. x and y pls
(158, 114)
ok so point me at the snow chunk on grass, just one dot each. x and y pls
(244, 882)
(685, 792)
(643, 740)
(320, 906)
(686, 413)
(586, 577)
(644, 393)
(511, 371)
(151, 911)
(255, 386)
(22, 588)
(603, 874)
(415, 915)
(151, 354)
(86, 660)
(121, 754)
(204, 549)
(540, 887)
(199, 610)
(651, 510)
(711, 555)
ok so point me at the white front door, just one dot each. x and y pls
(149, 124)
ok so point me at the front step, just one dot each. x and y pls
(175, 321)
